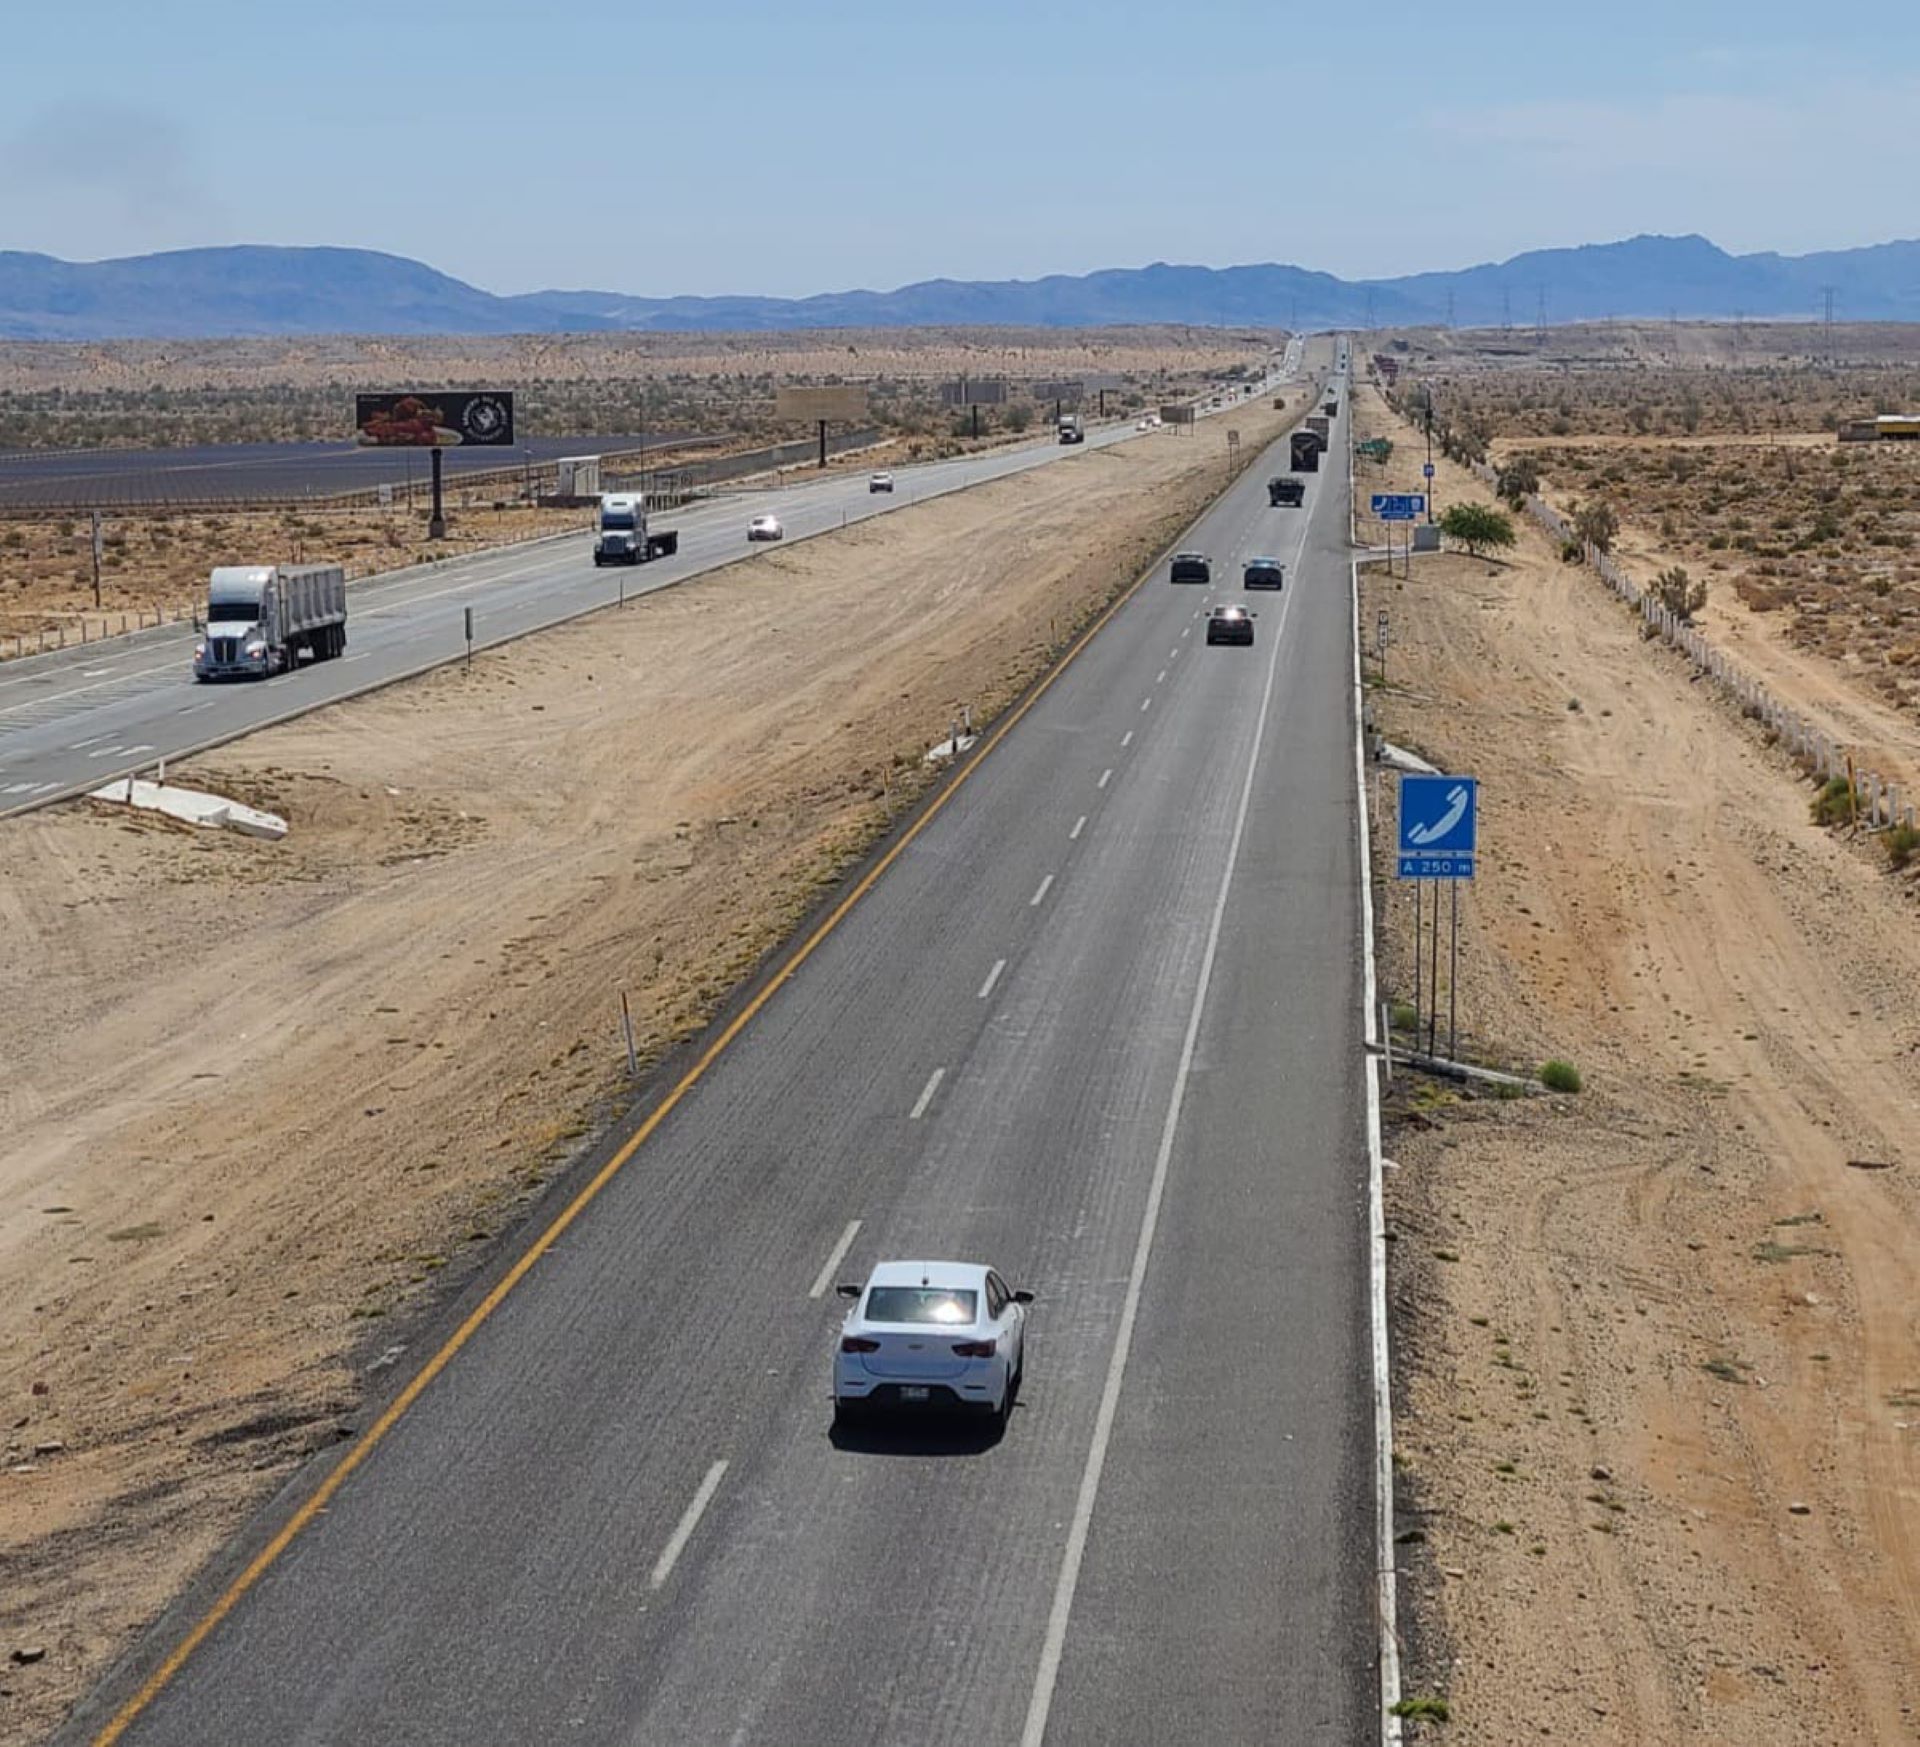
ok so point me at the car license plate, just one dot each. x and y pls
(914, 1392)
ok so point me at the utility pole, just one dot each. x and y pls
(1429, 473)
(1540, 313)
(1449, 309)
(1506, 310)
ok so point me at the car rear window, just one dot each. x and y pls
(937, 1304)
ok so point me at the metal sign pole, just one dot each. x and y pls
(469, 613)
(1433, 981)
(1453, 974)
(1419, 952)
(436, 517)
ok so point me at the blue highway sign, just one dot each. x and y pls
(1439, 817)
(1428, 470)
(1399, 506)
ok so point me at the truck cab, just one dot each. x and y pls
(240, 638)
(1071, 430)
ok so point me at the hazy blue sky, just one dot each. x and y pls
(736, 145)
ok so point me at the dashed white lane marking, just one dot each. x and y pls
(834, 1260)
(993, 976)
(1160, 678)
(1126, 740)
(689, 1521)
(1187, 631)
(1146, 703)
(1106, 776)
(1054, 1644)
(82, 745)
(926, 1094)
(1079, 825)
(1040, 893)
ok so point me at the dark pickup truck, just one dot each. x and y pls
(1290, 492)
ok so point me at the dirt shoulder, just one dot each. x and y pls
(1658, 1388)
(265, 1102)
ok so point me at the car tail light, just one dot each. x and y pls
(858, 1344)
(974, 1349)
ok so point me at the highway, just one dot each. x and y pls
(71, 721)
(1099, 1022)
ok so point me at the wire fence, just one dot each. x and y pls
(1880, 803)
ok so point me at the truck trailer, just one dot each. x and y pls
(1306, 452)
(261, 616)
(624, 538)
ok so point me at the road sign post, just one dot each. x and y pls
(469, 613)
(1438, 839)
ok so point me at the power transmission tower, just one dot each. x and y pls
(1369, 308)
(1449, 309)
(1826, 299)
(1506, 310)
(1540, 312)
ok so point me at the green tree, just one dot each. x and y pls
(1477, 527)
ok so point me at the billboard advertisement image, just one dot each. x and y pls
(454, 420)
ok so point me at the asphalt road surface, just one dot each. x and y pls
(1099, 1023)
(73, 720)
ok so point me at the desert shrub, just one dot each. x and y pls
(1597, 523)
(1519, 480)
(1900, 843)
(1572, 552)
(1559, 1076)
(1680, 594)
(1837, 803)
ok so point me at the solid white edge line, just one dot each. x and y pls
(1054, 1645)
(926, 1094)
(838, 1255)
(993, 976)
(1387, 1580)
(689, 1521)
(1079, 825)
(1040, 893)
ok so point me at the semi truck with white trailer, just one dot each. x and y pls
(624, 538)
(1071, 429)
(260, 617)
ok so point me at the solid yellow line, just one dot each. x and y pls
(156, 1682)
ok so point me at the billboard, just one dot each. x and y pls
(844, 403)
(455, 419)
(1068, 389)
(1176, 413)
(971, 391)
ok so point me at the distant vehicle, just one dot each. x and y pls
(1284, 491)
(1143, 424)
(1071, 429)
(1263, 573)
(765, 528)
(1230, 625)
(624, 536)
(1305, 448)
(1332, 408)
(930, 1335)
(261, 616)
(1190, 567)
(1321, 426)
(880, 482)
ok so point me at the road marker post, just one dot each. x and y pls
(626, 1027)
(469, 619)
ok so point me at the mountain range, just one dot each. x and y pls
(254, 290)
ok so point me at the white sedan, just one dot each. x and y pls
(765, 528)
(931, 1335)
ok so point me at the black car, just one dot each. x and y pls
(1264, 573)
(1190, 567)
(1288, 493)
(1230, 625)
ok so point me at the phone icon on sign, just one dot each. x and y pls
(1458, 799)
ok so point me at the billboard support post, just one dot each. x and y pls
(436, 517)
(823, 442)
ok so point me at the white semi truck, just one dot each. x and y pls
(261, 616)
(623, 532)
(1071, 429)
